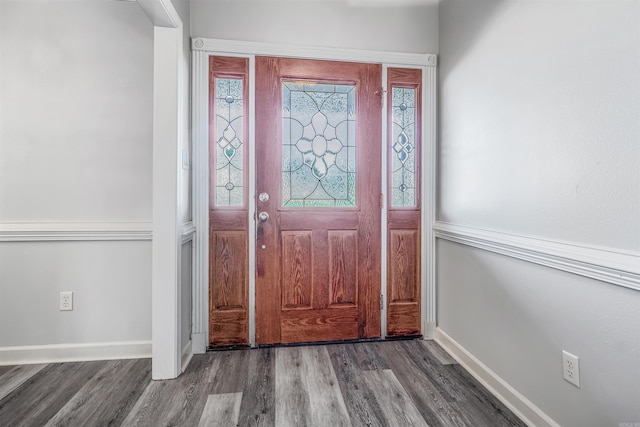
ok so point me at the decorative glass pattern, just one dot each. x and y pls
(403, 161)
(318, 144)
(229, 153)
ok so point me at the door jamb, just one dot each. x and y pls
(384, 213)
(203, 48)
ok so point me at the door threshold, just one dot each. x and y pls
(313, 343)
(354, 341)
(404, 337)
(228, 347)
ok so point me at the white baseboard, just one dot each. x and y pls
(516, 402)
(187, 354)
(30, 354)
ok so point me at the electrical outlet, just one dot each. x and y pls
(571, 368)
(66, 301)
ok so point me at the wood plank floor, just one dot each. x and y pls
(391, 383)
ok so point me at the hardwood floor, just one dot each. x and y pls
(391, 383)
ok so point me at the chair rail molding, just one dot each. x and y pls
(610, 265)
(74, 231)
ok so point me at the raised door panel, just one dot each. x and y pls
(228, 317)
(343, 268)
(404, 286)
(296, 270)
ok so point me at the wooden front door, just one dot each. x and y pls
(318, 133)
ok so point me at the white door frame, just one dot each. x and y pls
(204, 48)
(169, 128)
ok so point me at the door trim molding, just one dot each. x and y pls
(203, 48)
(200, 44)
(429, 182)
(200, 176)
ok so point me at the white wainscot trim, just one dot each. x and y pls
(74, 231)
(311, 52)
(188, 232)
(55, 353)
(597, 262)
(529, 413)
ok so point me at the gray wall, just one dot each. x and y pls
(75, 148)
(540, 107)
(389, 26)
(539, 136)
(76, 111)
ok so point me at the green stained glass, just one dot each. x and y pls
(318, 145)
(229, 152)
(403, 148)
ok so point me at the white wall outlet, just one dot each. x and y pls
(571, 368)
(66, 301)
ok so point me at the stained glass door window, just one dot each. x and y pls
(229, 151)
(403, 145)
(318, 144)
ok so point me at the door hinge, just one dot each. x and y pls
(381, 302)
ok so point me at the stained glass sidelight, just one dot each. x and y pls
(403, 149)
(229, 153)
(318, 144)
